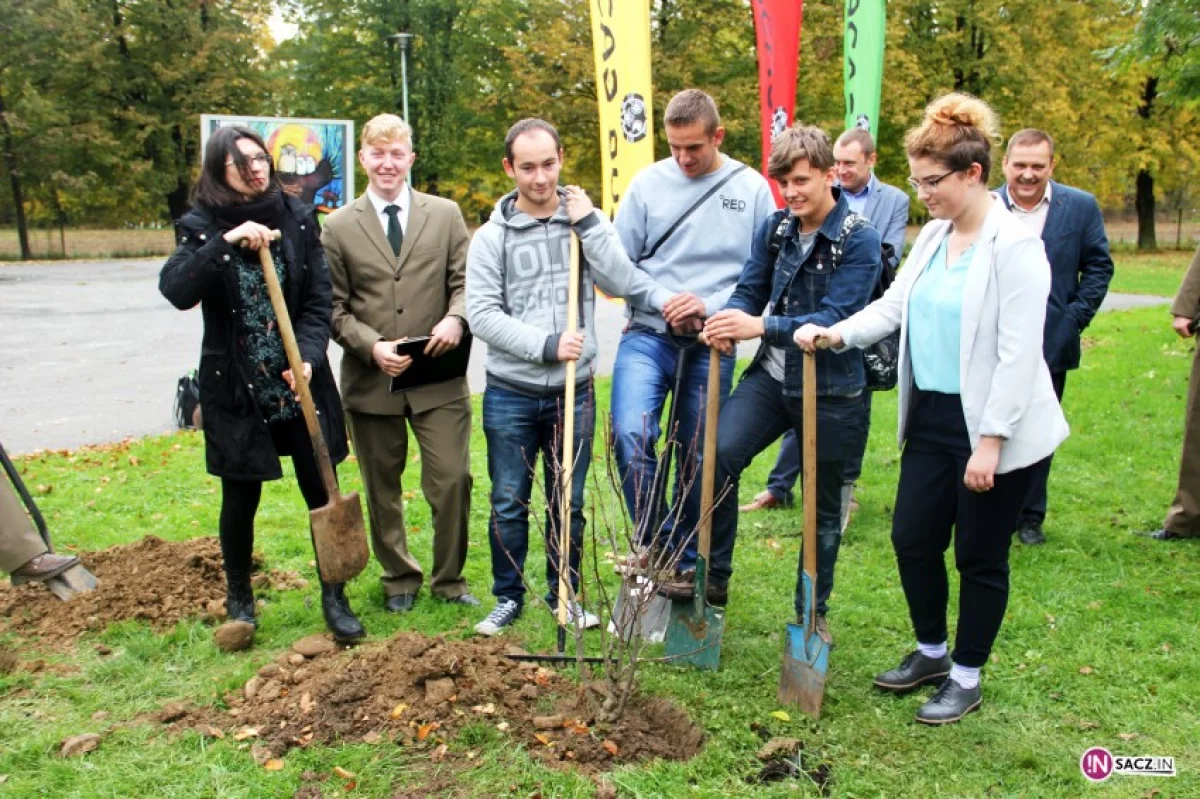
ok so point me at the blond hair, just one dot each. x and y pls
(957, 130)
(384, 128)
(799, 143)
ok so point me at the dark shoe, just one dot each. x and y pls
(913, 672)
(339, 618)
(239, 598)
(401, 603)
(681, 586)
(1031, 533)
(717, 594)
(42, 568)
(950, 704)
(467, 599)
(1163, 534)
(823, 629)
(764, 501)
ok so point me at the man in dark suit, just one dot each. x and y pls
(1072, 229)
(398, 262)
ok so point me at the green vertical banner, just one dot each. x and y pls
(866, 26)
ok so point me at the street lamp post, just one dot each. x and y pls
(404, 39)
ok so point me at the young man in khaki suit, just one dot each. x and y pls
(398, 262)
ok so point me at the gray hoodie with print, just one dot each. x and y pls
(517, 269)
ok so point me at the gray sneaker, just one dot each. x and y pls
(587, 619)
(504, 614)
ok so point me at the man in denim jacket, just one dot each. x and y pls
(773, 298)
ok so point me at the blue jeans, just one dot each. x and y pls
(756, 414)
(782, 479)
(518, 427)
(643, 375)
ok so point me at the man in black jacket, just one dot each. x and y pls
(1072, 229)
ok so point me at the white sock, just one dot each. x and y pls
(934, 651)
(965, 676)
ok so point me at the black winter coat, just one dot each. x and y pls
(237, 441)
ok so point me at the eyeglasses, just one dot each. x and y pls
(930, 184)
(262, 159)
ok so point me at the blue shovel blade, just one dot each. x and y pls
(805, 664)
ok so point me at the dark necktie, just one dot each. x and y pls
(394, 233)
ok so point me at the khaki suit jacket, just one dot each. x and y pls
(380, 296)
(1187, 301)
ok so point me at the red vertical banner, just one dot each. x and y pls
(777, 28)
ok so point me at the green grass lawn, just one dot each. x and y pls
(1098, 647)
(1154, 273)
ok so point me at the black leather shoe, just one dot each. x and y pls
(1031, 533)
(1163, 534)
(400, 603)
(717, 594)
(239, 598)
(339, 618)
(950, 704)
(913, 672)
(467, 599)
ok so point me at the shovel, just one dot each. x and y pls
(76, 579)
(805, 653)
(568, 456)
(339, 535)
(695, 628)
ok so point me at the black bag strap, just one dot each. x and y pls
(683, 218)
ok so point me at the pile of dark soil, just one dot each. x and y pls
(151, 580)
(418, 692)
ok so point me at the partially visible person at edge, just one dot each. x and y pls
(977, 407)
(687, 222)
(886, 207)
(1071, 227)
(773, 298)
(24, 555)
(251, 414)
(517, 289)
(1183, 517)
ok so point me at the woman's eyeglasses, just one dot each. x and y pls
(930, 184)
(262, 159)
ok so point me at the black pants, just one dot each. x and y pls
(239, 498)
(932, 500)
(1034, 512)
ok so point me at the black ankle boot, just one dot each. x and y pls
(239, 597)
(339, 618)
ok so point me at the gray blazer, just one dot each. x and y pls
(1006, 389)
(887, 210)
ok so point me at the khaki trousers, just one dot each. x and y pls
(1184, 516)
(381, 444)
(19, 539)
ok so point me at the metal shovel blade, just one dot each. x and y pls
(340, 538)
(805, 664)
(695, 630)
(74, 581)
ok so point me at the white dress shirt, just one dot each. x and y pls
(1033, 218)
(404, 200)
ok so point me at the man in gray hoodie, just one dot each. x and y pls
(517, 271)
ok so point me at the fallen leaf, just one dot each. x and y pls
(274, 764)
(1166, 647)
(79, 744)
(307, 703)
(133, 461)
(1086, 670)
(611, 747)
(544, 739)
(1088, 725)
(1093, 605)
(245, 732)
(3, 778)
(439, 754)
(209, 731)
(398, 710)
(372, 737)
(424, 730)
(1127, 736)
(779, 714)
(486, 710)
(343, 773)
(503, 726)
(261, 754)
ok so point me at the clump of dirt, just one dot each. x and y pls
(419, 692)
(151, 580)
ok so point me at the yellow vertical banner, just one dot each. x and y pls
(621, 42)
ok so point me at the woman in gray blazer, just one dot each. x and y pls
(977, 408)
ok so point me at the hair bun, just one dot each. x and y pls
(959, 109)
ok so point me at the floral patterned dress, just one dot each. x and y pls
(259, 340)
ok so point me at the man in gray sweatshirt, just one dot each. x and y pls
(687, 222)
(517, 270)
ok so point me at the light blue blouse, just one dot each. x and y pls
(935, 322)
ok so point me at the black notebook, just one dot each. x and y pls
(427, 369)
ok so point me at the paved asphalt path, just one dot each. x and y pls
(91, 352)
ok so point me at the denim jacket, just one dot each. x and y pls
(811, 291)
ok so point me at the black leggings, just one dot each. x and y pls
(239, 498)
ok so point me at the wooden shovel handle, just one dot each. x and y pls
(296, 363)
(568, 445)
(810, 476)
(712, 412)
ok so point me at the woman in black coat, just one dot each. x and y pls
(251, 415)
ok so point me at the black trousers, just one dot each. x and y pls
(932, 501)
(239, 498)
(1034, 512)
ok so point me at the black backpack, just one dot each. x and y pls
(187, 399)
(881, 359)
